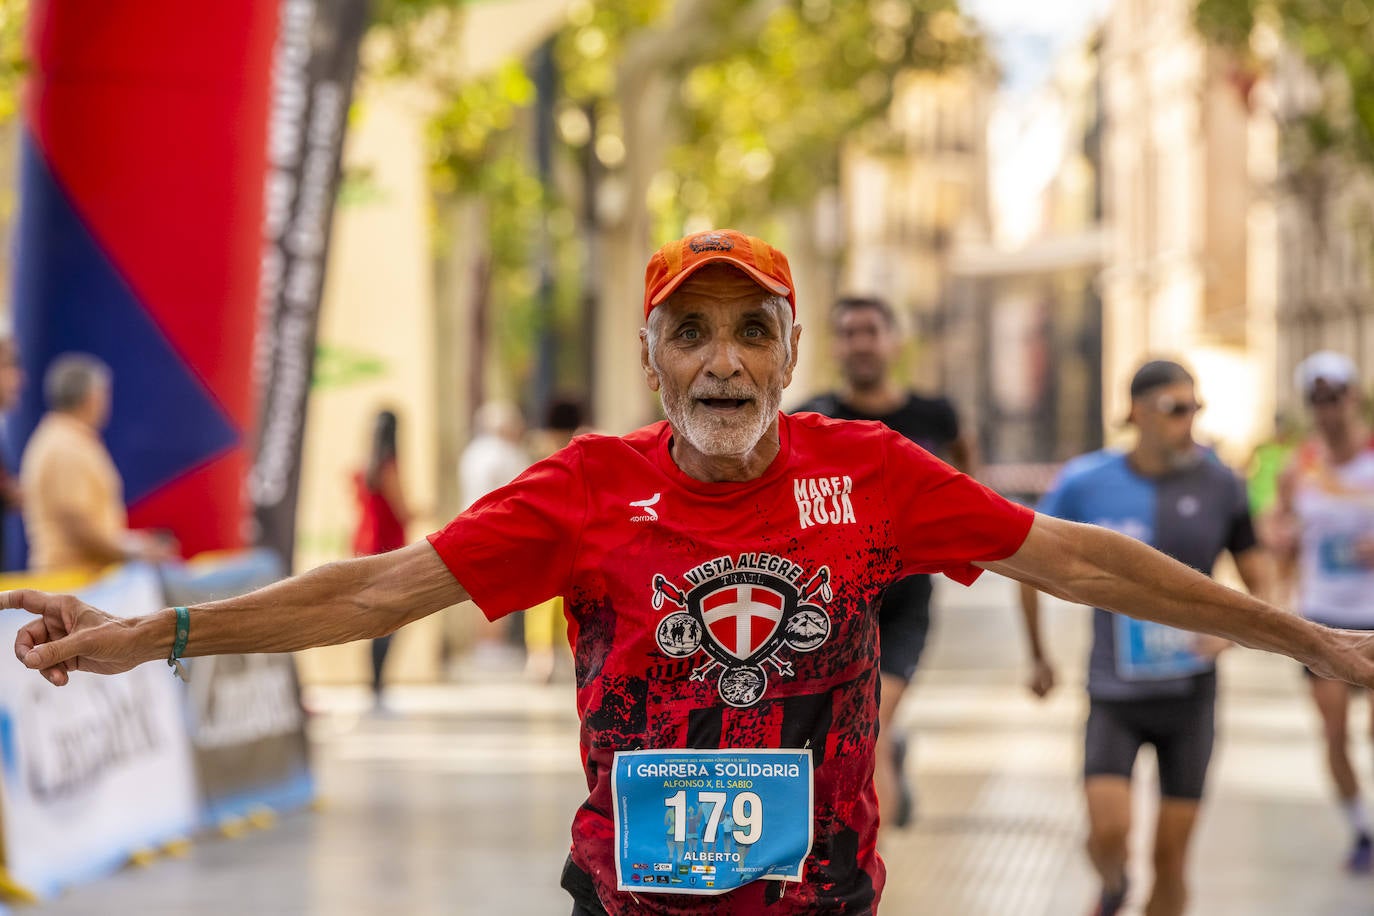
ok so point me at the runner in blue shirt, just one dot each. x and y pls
(1148, 683)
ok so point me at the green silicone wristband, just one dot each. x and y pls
(183, 631)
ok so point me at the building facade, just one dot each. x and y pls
(1033, 283)
(1186, 221)
(1324, 229)
(908, 199)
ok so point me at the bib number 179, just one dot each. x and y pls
(746, 812)
(692, 820)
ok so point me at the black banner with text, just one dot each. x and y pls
(315, 62)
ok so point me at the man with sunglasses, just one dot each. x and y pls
(1326, 514)
(1148, 683)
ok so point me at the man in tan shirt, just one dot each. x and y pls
(73, 495)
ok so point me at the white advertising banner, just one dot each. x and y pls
(94, 770)
(244, 712)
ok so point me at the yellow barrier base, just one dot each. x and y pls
(234, 827)
(13, 891)
(176, 848)
(179, 848)
(142, 858)
(261, 817)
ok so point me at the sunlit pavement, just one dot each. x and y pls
(458, 800)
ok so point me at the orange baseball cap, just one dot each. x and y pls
(672, 264)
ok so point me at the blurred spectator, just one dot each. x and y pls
(11, 385)
(565, 418)
(382, 517)
(1263, 473)
(73, 495)
(495, 456)
(545, 626)
(1267, 463)
(1325, 520)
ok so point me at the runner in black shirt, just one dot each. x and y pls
(866, 343)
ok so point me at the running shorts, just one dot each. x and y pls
(903, 624)
(1182, 730)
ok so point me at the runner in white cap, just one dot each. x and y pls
(1326, 501)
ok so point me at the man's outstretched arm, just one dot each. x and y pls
(1098, 567)
(335, 603)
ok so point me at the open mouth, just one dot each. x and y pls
(723, 403)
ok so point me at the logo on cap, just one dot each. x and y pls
(711, 241)
(672, 264)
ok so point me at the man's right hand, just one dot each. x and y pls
(70, 635)
(1042, 678)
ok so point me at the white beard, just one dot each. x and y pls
(722, 437)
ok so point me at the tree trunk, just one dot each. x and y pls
(461, 338)
(815, 271)
(645, 84)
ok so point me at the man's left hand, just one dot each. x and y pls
(1348, 656)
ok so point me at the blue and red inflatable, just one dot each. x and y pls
(140, 237)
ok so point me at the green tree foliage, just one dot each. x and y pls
(590, 49)
(763, 126)
(762, 95)
(767, 92)
(1335, 38)
(763, 105)
(474, 132)
(479, 151)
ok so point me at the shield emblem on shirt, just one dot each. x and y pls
(742, 619)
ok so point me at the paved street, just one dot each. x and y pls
(460, 803)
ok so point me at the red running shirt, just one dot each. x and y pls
(379, 530)
(628, 539)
